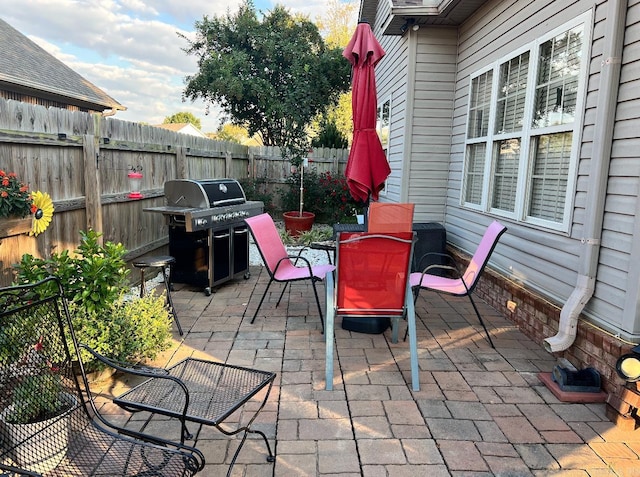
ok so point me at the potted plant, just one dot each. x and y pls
(16, 205)
(299, 221)
(37, 404)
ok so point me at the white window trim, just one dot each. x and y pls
(525, 166)
(387, 149)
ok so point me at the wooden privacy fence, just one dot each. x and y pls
(82, 160)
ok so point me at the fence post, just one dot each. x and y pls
(92, 191)
(252, 165)
(181, 162)
(228, 161)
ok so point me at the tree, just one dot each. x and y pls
(234, 133)
(272, 75)
(330, 136)
(338, 23)
(181, 118)
(337, 26)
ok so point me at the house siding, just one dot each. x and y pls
(543, 260)
(431, 121)
(391, 82)
(534, 267)
(624, 176)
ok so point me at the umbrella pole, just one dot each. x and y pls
(301, 188)
(365, 211)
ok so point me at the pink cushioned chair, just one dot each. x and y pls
(462, 284)
(280, 265)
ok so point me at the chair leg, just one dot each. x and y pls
(395, 323)
(261, 300)
(413, 341)
(167, 286)
(284, 288)
(481, 320)
(328, 335)
(315, 292)
(414, 294)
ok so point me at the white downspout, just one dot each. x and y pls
(598, 178)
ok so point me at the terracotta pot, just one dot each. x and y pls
(294, 224)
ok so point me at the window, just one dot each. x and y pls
(382, 127)
(521, 149)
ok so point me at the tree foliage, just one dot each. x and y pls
(337, 26)
(330, 136)
(272, 75)
(238, 134)
(183, 118)
(339, 22)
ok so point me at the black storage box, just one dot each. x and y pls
(432, 238)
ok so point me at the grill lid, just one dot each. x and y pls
(203, 193)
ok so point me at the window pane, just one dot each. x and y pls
(480, 105)
(506, 155)
(382, 125)
(550, 176)
(512, 94)
(475, 172)
(557, 82)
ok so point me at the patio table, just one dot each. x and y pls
(215, 392)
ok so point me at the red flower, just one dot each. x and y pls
(38, 346)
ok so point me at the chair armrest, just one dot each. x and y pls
(144, 371)
(10, 471)
(125, 367)
(448, 257)
(295, 259)
(436, 266)
(298, 256)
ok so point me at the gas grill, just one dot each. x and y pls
(207, 233)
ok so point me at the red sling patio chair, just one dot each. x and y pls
(372, 279)
(279, 264)
(390, 217)
(462, 284)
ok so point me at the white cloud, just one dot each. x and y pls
(130, 48)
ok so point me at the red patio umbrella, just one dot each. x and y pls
(367, 167)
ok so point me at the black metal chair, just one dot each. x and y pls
(48, 424)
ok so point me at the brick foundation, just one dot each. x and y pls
(538, 319)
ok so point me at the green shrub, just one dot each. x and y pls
(127, 330)
(257, 189)
(326, 195)
(92, 279)
(95, 282)
(318, 233)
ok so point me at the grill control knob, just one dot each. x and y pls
(201, 222)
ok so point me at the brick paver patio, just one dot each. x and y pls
(480, 411)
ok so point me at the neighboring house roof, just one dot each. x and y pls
(28, 69)
(406, 13)
(184, 128)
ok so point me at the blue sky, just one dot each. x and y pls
(130, 48)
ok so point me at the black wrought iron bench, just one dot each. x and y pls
(48, 425)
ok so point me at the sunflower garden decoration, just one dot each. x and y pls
(20, 210)
(43, 213)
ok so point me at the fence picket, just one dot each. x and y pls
(85, 173)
